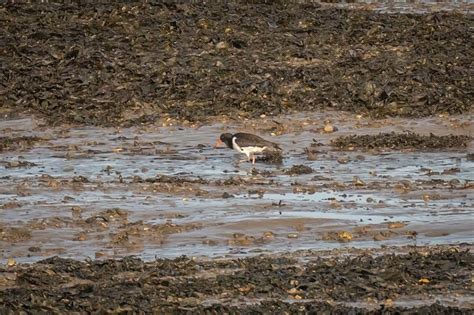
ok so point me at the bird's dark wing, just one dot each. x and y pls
(249, 140)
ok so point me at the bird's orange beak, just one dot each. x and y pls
(218, 143)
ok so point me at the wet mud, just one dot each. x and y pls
(164, 190)
(93, 196)
(132, 64)
(17, 143)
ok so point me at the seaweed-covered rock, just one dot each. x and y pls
(133, 63)
(299, 169)
(397, 141)
(181, 285)
(17, 143)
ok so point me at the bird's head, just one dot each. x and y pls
(225, 138)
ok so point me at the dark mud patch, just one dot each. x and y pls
(18, 164)
(127, 234)
(299, 169)
(14, 234)
(242, 181)
(273, 157)
(133, 64)
(274, 284)
(17, 143)
(165, 179)
(10, 205)
(397, 141)
(50, 222)
(134, 234)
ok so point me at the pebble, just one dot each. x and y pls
(222, 45)
(328, 128)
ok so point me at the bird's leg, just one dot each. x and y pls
(253, 158)
(239, 161)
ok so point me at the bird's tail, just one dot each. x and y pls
(274, 148)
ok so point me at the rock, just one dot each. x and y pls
(11, 262)
(299, 169)
(222, 45)
(345, 236)
(328, 128)
(396, 225)
(292, 235)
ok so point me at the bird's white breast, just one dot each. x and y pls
(246, 150)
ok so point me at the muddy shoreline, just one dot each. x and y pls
(108, 193)
(71, 194)
(113, 199)
(94, 196)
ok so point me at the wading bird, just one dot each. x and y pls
(247, 144)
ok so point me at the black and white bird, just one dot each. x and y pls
(247, 144)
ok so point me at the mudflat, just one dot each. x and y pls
(161, 192)
(113, 199)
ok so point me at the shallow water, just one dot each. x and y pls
(296, 212)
